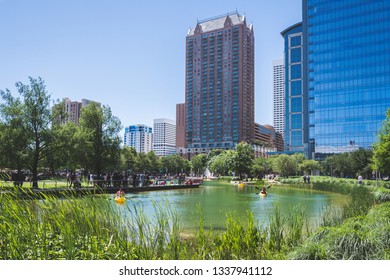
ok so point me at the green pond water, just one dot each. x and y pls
(217, 199)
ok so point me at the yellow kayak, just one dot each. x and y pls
(262, 194)
(120, 199)
(241, 185)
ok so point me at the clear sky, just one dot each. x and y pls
(129, 55)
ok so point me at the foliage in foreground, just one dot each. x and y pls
(97, 228)
(358, 238)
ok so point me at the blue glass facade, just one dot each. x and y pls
(348, 72)
(296, 137)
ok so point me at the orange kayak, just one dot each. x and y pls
(120, 199)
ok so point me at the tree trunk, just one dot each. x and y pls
(35, 166)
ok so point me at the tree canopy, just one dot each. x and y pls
(27, 120)
(381, 157)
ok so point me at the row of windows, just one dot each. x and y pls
(367, 46)
(348, 114)
(340, 10)
(345, 84)
(355, 67)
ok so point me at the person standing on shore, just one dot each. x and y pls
(360, 179)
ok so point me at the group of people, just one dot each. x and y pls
(115, 179)
(123, 179)
(73, 179)
(306, 179)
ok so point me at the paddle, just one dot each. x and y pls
(260, 189)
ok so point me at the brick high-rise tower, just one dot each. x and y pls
(219, 83)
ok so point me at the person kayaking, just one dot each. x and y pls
(263, 191)
(120, 193)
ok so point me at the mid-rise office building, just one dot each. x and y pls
(164, 137)
(279, 96)
(219, 83)
(140, 137)
(348, 72)
(267, 136)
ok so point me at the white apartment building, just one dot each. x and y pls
(279, 96)
(140, 137)
(164, 137)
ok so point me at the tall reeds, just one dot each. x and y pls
(96, 228)
(357, 238)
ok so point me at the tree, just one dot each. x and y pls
(221, 163)
(243, 159)
(128, 158)
(64, 148)
(285, 165)
(361, 162)
(214, 153)
(308, 166)
(260, 166)
(199, 163)
(13, 139)
(174, 164)
(339, 164)
(98, 139)
(381, 158)
(298, 159)
(33, 117)
(154, 162)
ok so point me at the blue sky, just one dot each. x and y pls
(129, 55)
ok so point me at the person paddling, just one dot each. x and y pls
(263, 191)
(120, 193)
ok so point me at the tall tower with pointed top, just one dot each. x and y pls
(219, 83)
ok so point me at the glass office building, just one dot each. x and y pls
(347, 55)
(296, 137)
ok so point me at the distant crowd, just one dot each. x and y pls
(123, 179)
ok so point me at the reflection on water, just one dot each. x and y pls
(217, 199)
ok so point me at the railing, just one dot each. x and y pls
(97, 183)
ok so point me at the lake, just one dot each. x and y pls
(217, 199)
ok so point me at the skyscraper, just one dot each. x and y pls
(279, 96)
(140, 137)
(180, 125)
(296, 133)
(219, 83)
(164, 137)
(348, 72)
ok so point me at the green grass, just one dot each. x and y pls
(340, 185)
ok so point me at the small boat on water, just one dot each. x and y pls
(263, 194)
(120, 199)
(241, 185)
